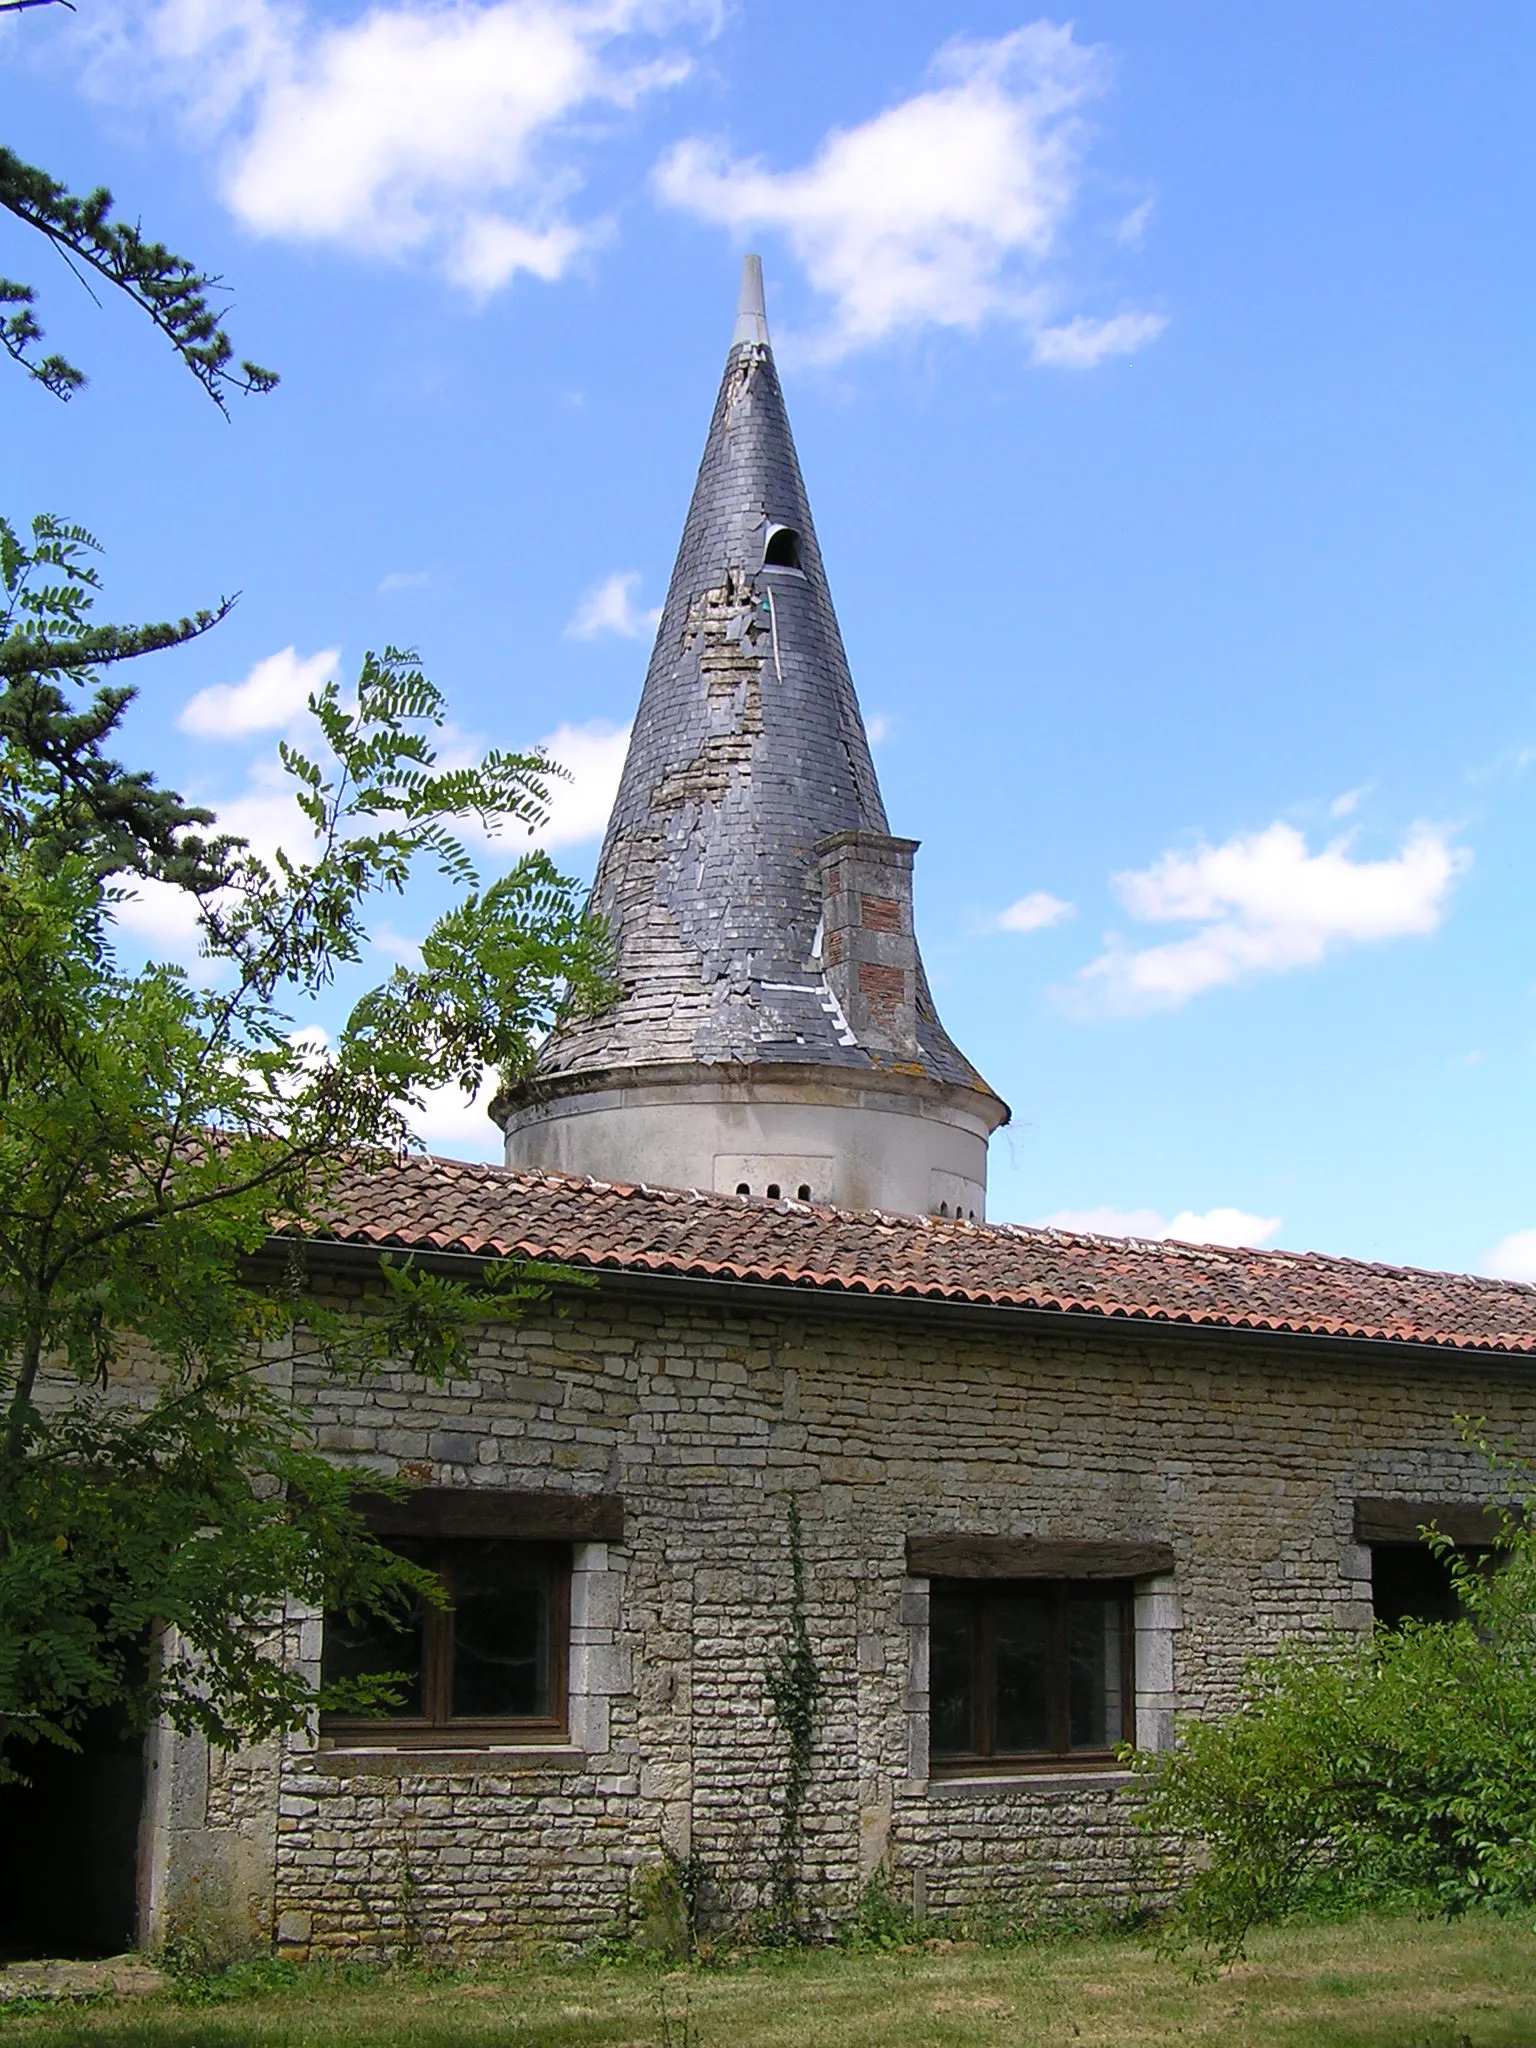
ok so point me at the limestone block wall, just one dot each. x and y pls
(1245, 1458)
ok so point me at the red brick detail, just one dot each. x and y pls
(880, 914)
(883, 989)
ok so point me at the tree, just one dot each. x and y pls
(1399, 1767)
(44, 637)
(76, 797)
(159, 1499)
(156, 1485)
(177, 297)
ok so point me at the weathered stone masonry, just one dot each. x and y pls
(1246, 1458)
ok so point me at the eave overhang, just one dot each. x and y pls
(754, 1297)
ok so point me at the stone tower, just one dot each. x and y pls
(775, 1034)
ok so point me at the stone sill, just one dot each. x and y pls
(375, 1762)
(1014, 1783)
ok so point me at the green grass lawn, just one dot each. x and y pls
(1369, 1984)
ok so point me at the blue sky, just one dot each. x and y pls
(1162, 380)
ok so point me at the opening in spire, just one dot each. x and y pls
(783, 548)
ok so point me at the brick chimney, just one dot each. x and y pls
(868, 950)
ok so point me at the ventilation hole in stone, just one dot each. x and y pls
(773, 1191)
(803, 1192)
(943, 1208)
(783, 549)
(742, 1188)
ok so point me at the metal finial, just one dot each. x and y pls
(751, 314)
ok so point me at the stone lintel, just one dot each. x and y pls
(1034, 1557)
(1400, 1521)
(539, 1514)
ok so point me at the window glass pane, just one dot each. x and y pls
(1094, 1683)
(367, 1647)
(1022, 1661)
(501, 1618)
(951, 1663)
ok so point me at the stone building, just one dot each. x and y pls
(1051, 1490)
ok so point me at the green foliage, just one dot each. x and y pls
(664, 1905)
(157, 1487)
(1399, 1766)
(795, 1689)
(159, 1497)
(58, 790)
(691, 1877)
(174, 294)
(881, 1922)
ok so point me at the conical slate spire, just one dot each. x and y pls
(748, 750)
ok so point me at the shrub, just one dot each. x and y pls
(1399, 1766)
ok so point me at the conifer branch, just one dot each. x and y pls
(174, 293)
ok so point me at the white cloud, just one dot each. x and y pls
(404, 579)
(609, 607)
(444, 130)
(1131, 228)
(272, 696)
(457, 1125)
(163, 919)
(1346, 805)
(265, 814)
(397, 946)
(941, 211)
(1036, 912)
(1512, 1258)
(1264, 904)
(593, 756)
(878, 728)
(1081, 343)
(1212, 1226)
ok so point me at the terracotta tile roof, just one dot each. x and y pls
(489, 1211)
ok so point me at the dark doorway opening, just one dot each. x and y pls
(69, 1864)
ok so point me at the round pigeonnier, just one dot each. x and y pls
(774, 1034)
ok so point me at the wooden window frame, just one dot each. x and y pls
(983, 1758)
(437, 1728)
